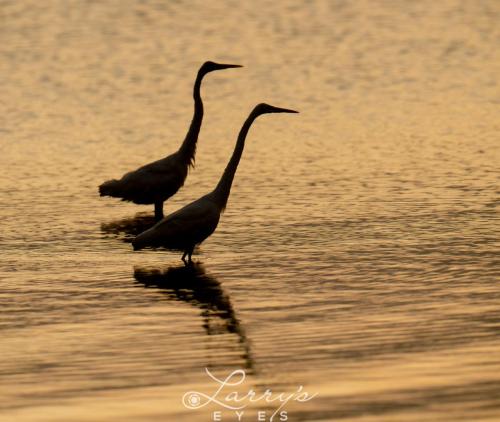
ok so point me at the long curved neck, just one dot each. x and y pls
(223, 188)
(188, 148)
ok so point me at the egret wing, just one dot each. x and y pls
(190, 221)
(154, 179)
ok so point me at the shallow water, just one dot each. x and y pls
(358, 255)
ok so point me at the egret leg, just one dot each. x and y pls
(158, 210)
(190, 252)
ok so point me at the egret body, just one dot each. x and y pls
(155, 182)
(192, 224)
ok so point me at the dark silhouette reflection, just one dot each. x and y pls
(191, 284)
(128, 228)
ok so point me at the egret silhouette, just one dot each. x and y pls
(192, 224)
(155, 182)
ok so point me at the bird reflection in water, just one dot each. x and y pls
(191, 284)
(126, 229)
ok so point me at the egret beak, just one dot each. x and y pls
(221, 66)
(286, 110)
(283, 110)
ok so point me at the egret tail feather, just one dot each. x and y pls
(110, 188)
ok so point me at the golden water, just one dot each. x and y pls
(358, 255)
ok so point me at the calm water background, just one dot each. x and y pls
(358, 255)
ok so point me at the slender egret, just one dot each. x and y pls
(155, 182)
(192, 224)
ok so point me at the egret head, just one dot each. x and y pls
(266, 108)
(211, 66)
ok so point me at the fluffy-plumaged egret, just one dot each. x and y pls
(155, 182)
(192, 224)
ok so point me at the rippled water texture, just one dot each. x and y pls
(358, 255)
